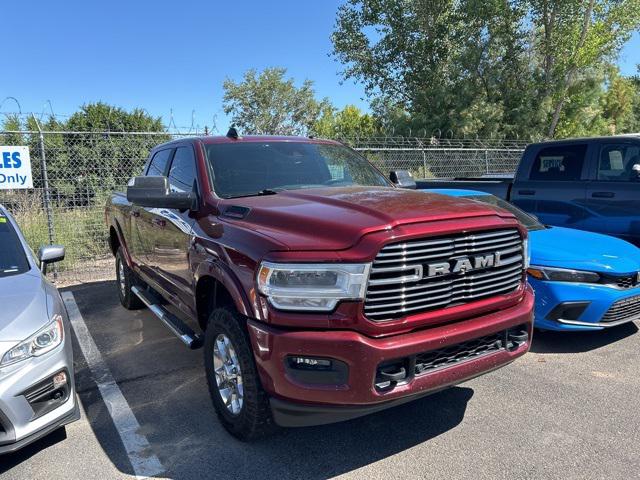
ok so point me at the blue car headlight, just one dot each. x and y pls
(563, 274)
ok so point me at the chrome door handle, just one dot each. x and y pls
(603, 194)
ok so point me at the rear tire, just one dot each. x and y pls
(125, 279)
(241, 404)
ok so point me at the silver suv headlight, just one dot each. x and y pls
(41, 342)
(306, 286)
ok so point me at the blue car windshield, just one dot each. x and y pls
(530, 222)
(13, 259)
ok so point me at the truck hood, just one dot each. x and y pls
(577, 249)
(336, 218)
(24, 306)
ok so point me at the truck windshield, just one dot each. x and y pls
(524, 218)
(13, 259)
(259, 168)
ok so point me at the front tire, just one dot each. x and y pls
(125, 279)
(241, 404)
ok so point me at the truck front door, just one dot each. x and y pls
(554, 188)
(613, 194)
(172, 233)
(141, 218)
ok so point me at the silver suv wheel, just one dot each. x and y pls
(228, 374)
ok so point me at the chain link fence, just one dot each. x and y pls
(437, 157)
(75, 172)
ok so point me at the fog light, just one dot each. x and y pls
(310, 363)
(60, 380)
(316, 370)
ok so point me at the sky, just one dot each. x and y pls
(170, 56)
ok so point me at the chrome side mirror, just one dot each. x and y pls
(50, 254)
(402, 179)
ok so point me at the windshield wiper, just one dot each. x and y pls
(267, 191)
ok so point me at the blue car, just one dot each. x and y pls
(582, 280)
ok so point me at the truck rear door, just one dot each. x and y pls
(613, 194)
(551, 184)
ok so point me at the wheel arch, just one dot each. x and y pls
(116, 240)
(215, 288)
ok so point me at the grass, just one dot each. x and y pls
(81, 230)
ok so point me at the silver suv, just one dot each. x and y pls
(37, 390)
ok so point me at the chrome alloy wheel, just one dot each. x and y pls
(121, 281)
(228, 374)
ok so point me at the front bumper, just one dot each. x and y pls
(20, 424)
(296, 403)
(593, 300)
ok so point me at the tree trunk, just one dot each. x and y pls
(568, 79)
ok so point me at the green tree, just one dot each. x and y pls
(267, 103)
(576, 36)
(634, 121)
(618, 103)
(483, 67)
(350, 122)
(11, 123)
(91, 152)
(108, 118)
(450, 65)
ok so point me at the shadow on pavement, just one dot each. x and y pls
(10, 460)
(331, 450)
(165, 387)
(576, 342)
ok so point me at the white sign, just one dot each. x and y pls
(15, 168)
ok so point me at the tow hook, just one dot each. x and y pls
(515, 338)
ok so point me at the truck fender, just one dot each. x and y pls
(121, 241)
(223, 274)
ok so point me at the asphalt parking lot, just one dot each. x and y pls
(569, 409)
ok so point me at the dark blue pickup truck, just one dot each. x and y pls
(588, 183)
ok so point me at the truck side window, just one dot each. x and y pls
(616, 162)
(561, 163)
(158, 164)
(183, 170)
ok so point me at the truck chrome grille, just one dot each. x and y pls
(420, 275)
(627, 308)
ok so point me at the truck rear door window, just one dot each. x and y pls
(13, 259)
(616, 162)
(561, 163)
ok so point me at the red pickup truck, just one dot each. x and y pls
(323, 292)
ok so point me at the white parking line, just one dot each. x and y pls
(143, 460)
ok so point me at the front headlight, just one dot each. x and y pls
(316, 287)
(39, 343)
(563, 274)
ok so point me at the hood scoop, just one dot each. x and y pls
(236, 211)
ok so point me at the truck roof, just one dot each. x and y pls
(207, 140)
(586, 139)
